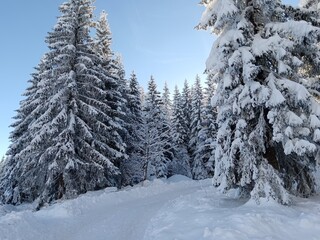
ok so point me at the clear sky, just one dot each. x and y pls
(154, 37)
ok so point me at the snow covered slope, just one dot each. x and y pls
(174, 209)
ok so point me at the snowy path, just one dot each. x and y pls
(163, 210)
(122, 215)
(128, 218)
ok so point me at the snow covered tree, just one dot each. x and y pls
(310, 4)
(207, 135)
(203, 154)
(196, 116)
(310, 56)
(103, 38)
(181, 163)
(2, 162)
(196, 124)
(186, 100)
(121, 75)
(310, 70)
(263, 143)
(30, 108)
(113, 65)
(135, 103)
(177, 117)
(156, 134)
(124, 114)
(167, 126)
(167, 103)
(132, 170)
(72, 144)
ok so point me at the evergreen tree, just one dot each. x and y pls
(30, 108)
(207, 136)
(124, 114)
(264, 114)
(135, 103)
(167, 127)
(186, 121)
(73, 144)
(181, 163)
(177, 118)
(167, 103)
(114, 67)
(310, 70)
(133, 166)
(198, 168)
(156, 134)
(103, 39)
(204, 146)
(2, 162)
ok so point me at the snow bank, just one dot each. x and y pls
(178, 178)
(212, 216)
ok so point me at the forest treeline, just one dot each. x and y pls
(254, 125)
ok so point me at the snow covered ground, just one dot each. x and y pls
(173, 209)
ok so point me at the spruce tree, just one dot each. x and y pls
(72, 144)
(181, 163)
(205, 149)
(156, 134)
(3, 161)
(264, 113)
(177, 118)
(310, 12)
(30, 108)
(198, 168)
(132, 170)
(204, 144)
(167, 103)
(186, 100)
(103, 38)
(167, 126)
(112, 64)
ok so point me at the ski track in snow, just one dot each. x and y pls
(177, 209)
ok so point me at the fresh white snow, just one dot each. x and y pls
(173, 209)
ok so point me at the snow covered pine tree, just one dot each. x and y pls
(310, 12)
(198, 168)
(132, 168)
(268, 123)
(167, 127)
(119, 97)
(181, 163)
(156, 134)
(186, 100)
(205, 145)
(64, 142)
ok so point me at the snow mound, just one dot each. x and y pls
(178, 178)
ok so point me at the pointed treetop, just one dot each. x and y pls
(103, 35)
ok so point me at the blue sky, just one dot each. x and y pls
(153, 37)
